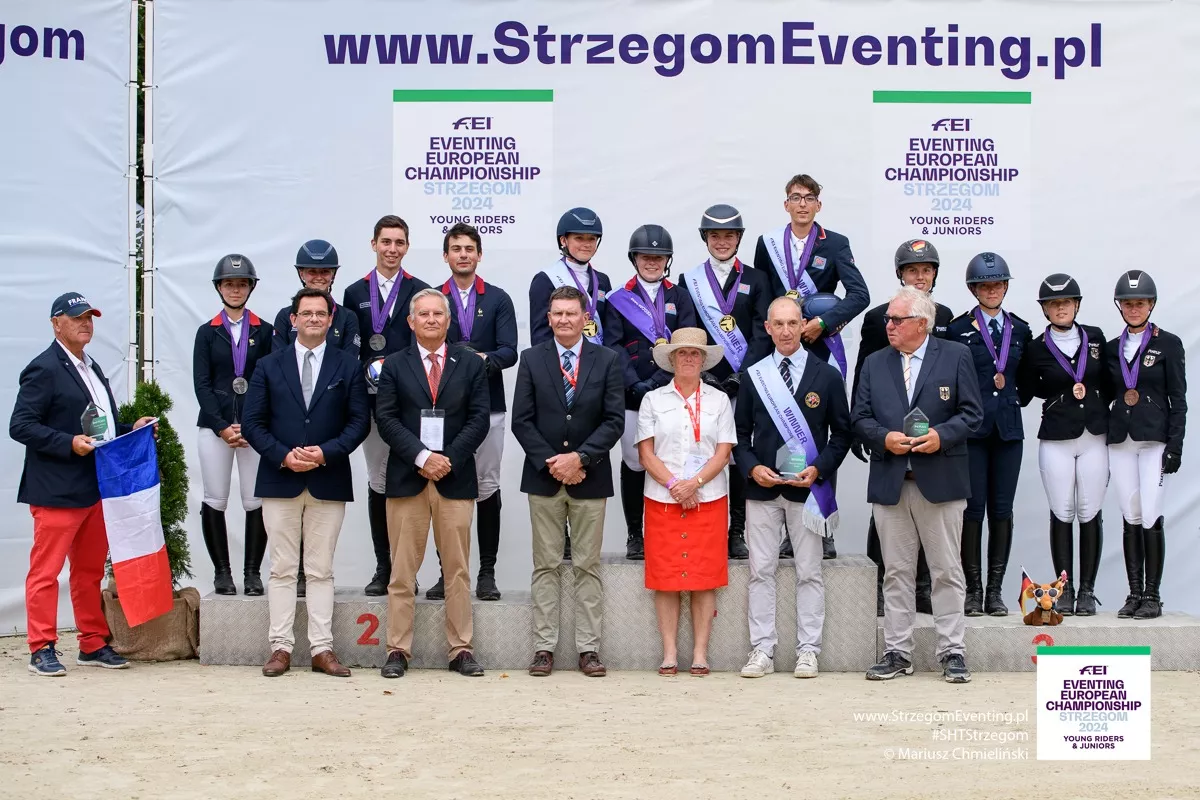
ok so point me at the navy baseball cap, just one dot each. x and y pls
(72, 304)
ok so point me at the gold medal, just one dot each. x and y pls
(1131, 397)
(727, 323)
(792, 293)
(1079, 390)
(659, 341)
(999, 380)
(590, 328)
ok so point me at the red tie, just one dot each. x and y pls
(435, 375)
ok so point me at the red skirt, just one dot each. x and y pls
(687, 550)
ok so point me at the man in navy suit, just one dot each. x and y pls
(482, 319)
(305, 413)
(59, 484)
(433, 413)
(919, 482)
(568, 412)
(380, 299)
(795, 398)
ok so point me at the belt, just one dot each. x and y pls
(908, 476)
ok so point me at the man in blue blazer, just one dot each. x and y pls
(306, 412)
(432, 411)
(59, 484)
(919, 482)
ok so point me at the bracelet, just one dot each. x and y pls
(671, 481)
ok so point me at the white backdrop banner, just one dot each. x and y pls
(64, 140)
(1056, 133)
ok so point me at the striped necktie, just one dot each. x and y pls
(907, 372)
(785, 369)
(568, 377)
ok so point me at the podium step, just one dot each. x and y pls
(1006, 644)
(233, 630)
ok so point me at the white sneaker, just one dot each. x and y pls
(759, 664)
(806, 665)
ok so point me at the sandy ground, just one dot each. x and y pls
(182, 730)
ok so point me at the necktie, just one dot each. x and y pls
(568, 377)
(785, 369)
(995, 326)
(306, 378)
(435, 375)
(907, 373)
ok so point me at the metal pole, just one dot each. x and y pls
(148, 201)
(131, 355)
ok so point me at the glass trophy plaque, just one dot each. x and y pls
(790, 463)
(916, 423)
(95, 423)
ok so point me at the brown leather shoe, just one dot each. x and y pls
(281, 662)
(543, 664)
(590, 665)
(325, 661)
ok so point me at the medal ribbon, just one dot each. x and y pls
(241, 347)
(985, 333)
(694, 415)
(1077, 371)
(1130, 374)
(466, 315)
(724, 302)
(379, 316)
(796, 281)
(657, 309)
(593, 297)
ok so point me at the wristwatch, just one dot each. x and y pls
(584, 459)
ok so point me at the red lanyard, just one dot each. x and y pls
(695, 415)
(573, 376)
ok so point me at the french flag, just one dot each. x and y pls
(127, 469)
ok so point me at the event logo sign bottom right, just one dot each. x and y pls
(1093, 703)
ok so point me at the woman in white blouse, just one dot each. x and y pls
(685, 435)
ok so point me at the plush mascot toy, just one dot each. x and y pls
(1044, 597)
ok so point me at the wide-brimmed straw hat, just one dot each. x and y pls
(695, 338)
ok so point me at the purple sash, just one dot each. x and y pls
(650, 319)
(711, 304)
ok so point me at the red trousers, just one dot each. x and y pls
(59, 534)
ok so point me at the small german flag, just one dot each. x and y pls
(1026, 584)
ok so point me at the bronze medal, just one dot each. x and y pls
(659, 341)
(792, 293)
(377, 342)
(1079, 390)
(1131, 397)
(727, 323)
(240, 385)
(590, 328)
(998, 379)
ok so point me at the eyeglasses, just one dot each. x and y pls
(888, 319)
(803, 199)
(313, 314)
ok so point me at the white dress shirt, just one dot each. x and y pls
(914, 366)
(235, 328)
(721, 269)
(798, 361)
(662, 417)
(651, 289)
(385, 288)
(1132, 343)
(1067, 342)
(576, 351)
(424, 455)
(318, 357)
(95, 387)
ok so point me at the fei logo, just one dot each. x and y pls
(1094, 669)
(952, 124)
(473, 123)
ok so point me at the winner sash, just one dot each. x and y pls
(709, 309)
(793, 277)
(562, 275)
(820, 510)
(645, 319)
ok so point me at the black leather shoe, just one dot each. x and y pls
(437, 591)
(396, 665)
(379, 582)
(223, 583)
(1066, 603)
(1085, 603)
(828, 548)
(254, 586)
(465, 664)
(737, 546)
(635, 547)
(485, 586)
(954, 669)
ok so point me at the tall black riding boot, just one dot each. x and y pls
(216, 539)
(875, 553)
(377, 516)
(924, 584)
(737, 516)
(256, 547)
(1155, 543)
(1091, 544)
(828, 548)
(488, 528)
(1062, 539)
(633, 503)
(999, 548)
(1135, 567)
(972, 562)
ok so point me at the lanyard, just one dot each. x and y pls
(573, 376)
(694, 415)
